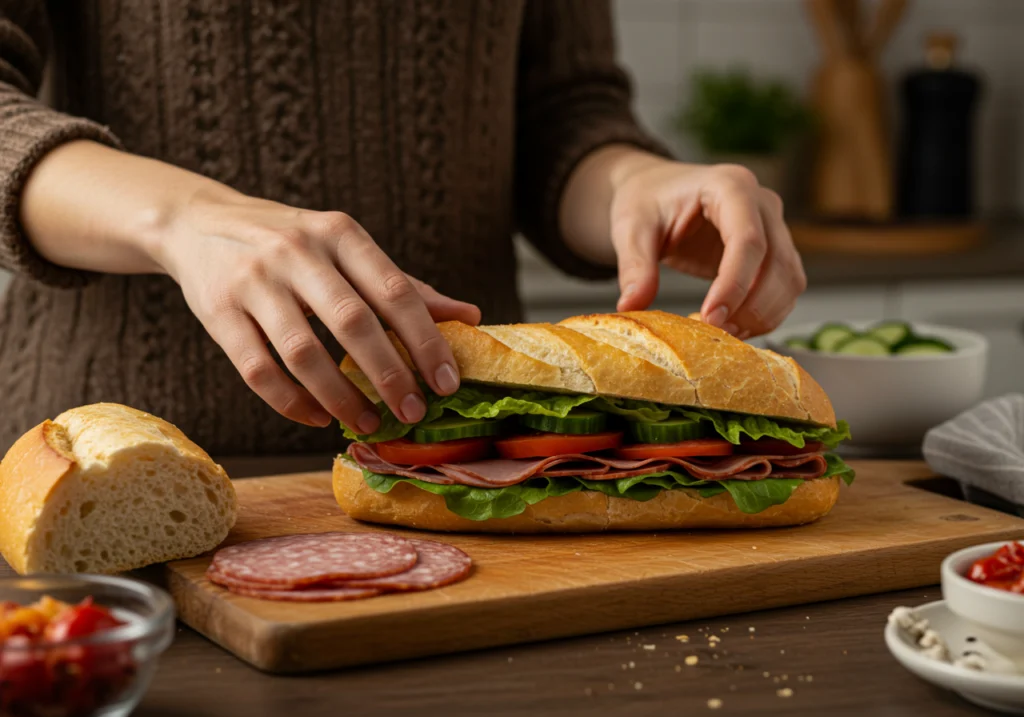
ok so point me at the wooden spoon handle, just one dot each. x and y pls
(887, 17)
(825, 18)
(849, 15)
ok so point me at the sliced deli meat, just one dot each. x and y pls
(439, 564)
(501, 473)
(312, 593)
(292, 561)
(325, 594)
(807, 466)
(436, 565)
(646, 470)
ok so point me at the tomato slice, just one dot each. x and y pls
(777, 447)
(545, 445)
(683, 449)
(407, 452)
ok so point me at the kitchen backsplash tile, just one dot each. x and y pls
(773, 39)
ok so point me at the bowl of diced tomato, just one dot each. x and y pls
(984, 586)
(79, 645)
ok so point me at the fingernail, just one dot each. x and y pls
(743, 335)
(446, 378)
(320, 417)
(718, 315)
(413, 408)
(628, 289)
(731, 328)
(368, 423)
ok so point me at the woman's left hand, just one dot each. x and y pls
(710, 221)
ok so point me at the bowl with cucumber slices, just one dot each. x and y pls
(891, 380)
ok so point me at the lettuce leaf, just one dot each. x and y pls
(837, 468)
(475, 401)
(483, 503)
(486, 503)
(732, 426)
(633, 410)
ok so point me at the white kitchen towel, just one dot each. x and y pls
(983, 447)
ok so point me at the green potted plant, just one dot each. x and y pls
(734, 118)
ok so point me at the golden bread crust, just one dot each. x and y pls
(644, 355)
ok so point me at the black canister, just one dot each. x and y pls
(936, 150)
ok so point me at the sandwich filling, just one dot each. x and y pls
(491, 452)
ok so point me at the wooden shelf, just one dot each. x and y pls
(905, 239)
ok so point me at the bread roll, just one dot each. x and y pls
(645, 355)
(581, 512)
(106, 488)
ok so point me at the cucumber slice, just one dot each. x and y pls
(921, 347)
(798, 343)
(577, 422)
(830, 336)
(862, 346)
(891, 333)
(454, 427)
(671, 430)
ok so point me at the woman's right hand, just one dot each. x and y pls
(253, 270)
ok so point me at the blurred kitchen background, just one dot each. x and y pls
(741, 48)
(716, 79)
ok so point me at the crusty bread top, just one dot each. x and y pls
(98, 430)
(65, 485)
(645, 355)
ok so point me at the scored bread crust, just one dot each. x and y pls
(76, 459)
(580, 512)
(645, 355)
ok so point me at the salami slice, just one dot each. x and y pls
(439, 565)
(308, 594)
(293, 561)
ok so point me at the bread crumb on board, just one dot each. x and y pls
(691, 660)
(714, 703)
(785, 692)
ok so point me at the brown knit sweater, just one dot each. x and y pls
(442, 126)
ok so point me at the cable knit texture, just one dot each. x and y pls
(442, 126)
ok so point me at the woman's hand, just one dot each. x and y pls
(253, 270)
(710, 221)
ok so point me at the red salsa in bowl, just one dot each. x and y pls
(52, 662)
(1003, 569)
(79, 645)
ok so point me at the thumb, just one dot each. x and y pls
(445, 308)
(637, 241)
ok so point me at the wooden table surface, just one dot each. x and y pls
(831, 655)
(822, 659)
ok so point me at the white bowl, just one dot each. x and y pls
(996, 616)
(891, 401)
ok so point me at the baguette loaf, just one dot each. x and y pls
(645, 355)
(105, 488)
(581, 512)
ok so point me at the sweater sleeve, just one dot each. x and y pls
(28, 130)
(572, 98)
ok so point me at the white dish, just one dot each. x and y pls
(995, 616)
(891, 401)
(998, 688)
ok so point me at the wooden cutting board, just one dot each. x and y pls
(883, 535)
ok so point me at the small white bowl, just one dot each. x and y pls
(996, 616)
(890, 402)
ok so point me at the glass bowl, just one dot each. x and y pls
(102, 674)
